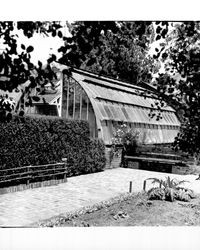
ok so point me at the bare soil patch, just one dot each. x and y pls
(137, 210)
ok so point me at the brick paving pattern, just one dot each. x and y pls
(20, 209)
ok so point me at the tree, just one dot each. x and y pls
(180, 84)
(16, 67)
(116, 49)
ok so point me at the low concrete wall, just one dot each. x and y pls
(133, 165)
(23, 187)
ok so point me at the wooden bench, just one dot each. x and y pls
(169, 162)
(163, 156)
(151, 159)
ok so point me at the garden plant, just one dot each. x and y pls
(169, 190)
(124, 138)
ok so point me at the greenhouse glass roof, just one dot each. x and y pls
(117, 101)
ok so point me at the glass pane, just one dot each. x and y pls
(47, 110)
(125, 114)
(115, 113)
(108, 112)
(71, 100)
(92, 121)
(78, 101)
(120, 114)
(102, 110)
(65, 95)
(84, 110)
(136, 114)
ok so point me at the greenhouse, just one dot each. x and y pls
(107, 103)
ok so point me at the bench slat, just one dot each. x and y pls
(152, 159)
(165, 155)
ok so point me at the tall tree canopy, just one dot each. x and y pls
(16, 67)
(116, 49)
(180, 84)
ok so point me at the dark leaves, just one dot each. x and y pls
(23, 46)
(52, 58)
(164, 33)
(54, 33)
(91, 61)
(21, 113)
(36, 98)
(158, 30)
(60, 34)
(9, 117)
(164, 55)
(39, 64)
(158, 37)
(29, 49)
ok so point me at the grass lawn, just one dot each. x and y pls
(137, 210)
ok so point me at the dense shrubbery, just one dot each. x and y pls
(35, 141)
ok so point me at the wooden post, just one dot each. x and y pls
(65, 175)
(28, 170)
(53, 177)
(144, 185)
(130, 187)
(65, 164)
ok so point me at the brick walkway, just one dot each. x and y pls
(30, 206)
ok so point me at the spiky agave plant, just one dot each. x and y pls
(156, 193)
(169, 189)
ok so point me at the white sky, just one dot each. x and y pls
(43, 45)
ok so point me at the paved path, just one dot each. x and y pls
(26, 207)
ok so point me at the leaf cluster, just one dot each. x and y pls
(170, 190)
(16, 67)
(116, 49)
(179, 85)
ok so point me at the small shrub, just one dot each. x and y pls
(184, 194)
(156, 194)
(169, 190)
(170, 193)
(125, 138)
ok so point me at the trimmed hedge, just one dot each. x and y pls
(37, 141)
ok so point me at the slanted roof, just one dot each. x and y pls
(49, 95)
(119, 101)
(48, 98)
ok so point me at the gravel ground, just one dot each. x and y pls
(33, 205)
(137, 177)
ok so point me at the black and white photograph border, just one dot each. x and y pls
(81, 236)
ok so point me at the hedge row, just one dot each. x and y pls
(37, 141)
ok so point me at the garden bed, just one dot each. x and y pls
(132, 210)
